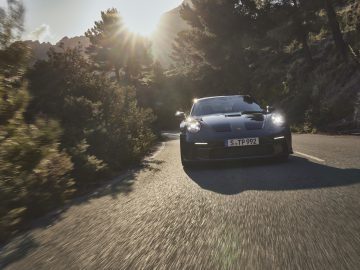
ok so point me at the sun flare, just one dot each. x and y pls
(142, 17)
(141, 26)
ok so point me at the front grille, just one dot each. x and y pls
(239, 152)
(217, 150)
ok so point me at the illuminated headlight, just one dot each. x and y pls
(193, 126)
(278, 119)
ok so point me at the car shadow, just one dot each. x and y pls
(295, 174)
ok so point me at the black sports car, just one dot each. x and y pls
(230, 128)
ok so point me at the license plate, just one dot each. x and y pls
(242, 142)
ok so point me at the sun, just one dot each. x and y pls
(143, 16)
(143, 26)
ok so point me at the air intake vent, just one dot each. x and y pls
(233, 115)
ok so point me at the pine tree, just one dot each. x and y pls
(335, 29)
(35, 175)
(114, 48)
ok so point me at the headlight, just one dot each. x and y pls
(278, 119)
(193, 126)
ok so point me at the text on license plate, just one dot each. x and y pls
(242, 142)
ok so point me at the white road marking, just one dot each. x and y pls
(309, 156)
(159, 150)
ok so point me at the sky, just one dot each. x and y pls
(50, 20)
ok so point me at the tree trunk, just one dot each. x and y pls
(302, 35)
(117, 73)
(335, 29)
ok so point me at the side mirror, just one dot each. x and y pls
(180, 115)
(270, 109)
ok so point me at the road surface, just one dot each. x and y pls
(303, 214)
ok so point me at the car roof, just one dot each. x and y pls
(214, 97)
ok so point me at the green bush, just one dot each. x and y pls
(104, 128)
(77, 127)
(127, 136)
(34, 175)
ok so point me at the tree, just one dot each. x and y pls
(301, 29)
(114, 48)
(215, 51)
(335, 29)
(104, 128)
(35, 176)
(291, 21)
(11, 22)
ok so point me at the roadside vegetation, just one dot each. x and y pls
(301, 56)
(70, 122)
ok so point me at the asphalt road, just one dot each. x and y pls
(303, 214)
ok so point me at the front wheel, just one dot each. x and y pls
(185, 164)
(283, 158)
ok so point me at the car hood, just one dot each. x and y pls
(233, 122)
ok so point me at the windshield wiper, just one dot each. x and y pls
(251, 112)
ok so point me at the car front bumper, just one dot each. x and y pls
(278, 145)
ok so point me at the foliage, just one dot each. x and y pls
(268, 49)
(11, 22)
(35, 175)
(65, 125)
(103, 126)
(114, 48)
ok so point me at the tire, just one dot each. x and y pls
(185, 164)
(283, 158)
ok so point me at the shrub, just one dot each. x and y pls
(104, 128)
(34, 175)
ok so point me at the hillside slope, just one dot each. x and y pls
(169, 26)
(39, 50)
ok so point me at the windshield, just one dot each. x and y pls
(223, 105)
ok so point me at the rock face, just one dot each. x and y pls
(40, 50)
(169, 26)
(74, 42)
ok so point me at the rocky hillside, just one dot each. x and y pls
(40, 50)
(169, 26)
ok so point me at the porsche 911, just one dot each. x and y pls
(232, 128)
